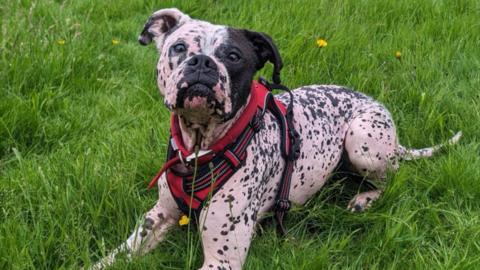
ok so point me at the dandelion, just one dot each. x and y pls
(322, 43)
(61, 42)
(184, 220)
(398, 55)
(115, 41)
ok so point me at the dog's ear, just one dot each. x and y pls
(266, 51)
(160, 24)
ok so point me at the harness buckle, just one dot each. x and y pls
(283, 205)
(295, 144)
(200, 154)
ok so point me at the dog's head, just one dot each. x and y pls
(205, 71)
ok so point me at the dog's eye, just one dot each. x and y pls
(233, 56)
(179, 48)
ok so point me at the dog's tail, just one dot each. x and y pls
(411, 154)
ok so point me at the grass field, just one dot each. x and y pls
(83, 130)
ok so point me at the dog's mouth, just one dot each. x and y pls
(197, 104)
(196, 96)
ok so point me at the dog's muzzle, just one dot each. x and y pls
(196, 87)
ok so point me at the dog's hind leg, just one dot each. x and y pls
(151, 231)
(371, 147)
(373, 150)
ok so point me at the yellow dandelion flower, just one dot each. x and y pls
(61, 42)
(322, 43)
(398, 55)
(184, 220)
(115, 41)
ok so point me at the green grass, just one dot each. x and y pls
(83, 130)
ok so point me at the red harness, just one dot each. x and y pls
(205, 172)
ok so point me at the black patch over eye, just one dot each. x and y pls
(179, 48)
(233, 57)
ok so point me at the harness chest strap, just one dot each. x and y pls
(209, 170)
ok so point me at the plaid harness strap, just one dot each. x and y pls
(194, 177)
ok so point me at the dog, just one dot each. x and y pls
(204, 74)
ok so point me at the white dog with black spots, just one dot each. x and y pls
(204, 74)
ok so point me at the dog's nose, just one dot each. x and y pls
(202, 61)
